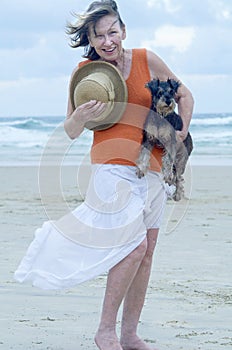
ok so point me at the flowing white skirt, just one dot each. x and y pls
(110, 223)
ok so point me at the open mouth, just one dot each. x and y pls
(109, 50)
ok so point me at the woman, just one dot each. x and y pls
(101, 31)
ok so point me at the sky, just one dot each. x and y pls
(193, 37)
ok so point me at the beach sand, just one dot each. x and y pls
(189, 300)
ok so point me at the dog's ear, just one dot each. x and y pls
(174, 84)
(153, 85)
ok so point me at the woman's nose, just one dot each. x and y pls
(107, 40)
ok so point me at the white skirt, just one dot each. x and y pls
(113, 220)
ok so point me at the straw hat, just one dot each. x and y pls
(100, 81)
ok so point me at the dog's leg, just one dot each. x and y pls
(180, 165)
(150, 133)
(188, 142)
(179, 193)
(143, 161)
(167, 166)
(168, 139)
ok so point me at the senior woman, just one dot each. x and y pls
(136, 220)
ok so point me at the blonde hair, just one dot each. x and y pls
(80, 30)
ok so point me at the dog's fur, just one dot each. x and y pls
(159, 131)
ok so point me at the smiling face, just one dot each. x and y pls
(106, 38)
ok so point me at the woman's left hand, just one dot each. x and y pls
(181, 134)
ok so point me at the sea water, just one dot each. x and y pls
(25, 140)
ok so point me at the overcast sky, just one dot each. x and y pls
(194, 37)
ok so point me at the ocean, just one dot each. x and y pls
(24, 140)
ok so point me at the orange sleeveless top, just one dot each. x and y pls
(121, 143)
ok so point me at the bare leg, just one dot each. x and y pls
(118, 282)
(135, 297)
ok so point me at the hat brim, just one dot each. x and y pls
(120, 90)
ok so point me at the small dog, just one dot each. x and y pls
(159, 131)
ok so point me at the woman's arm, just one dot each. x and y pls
(73, 124)
(184, 98)
(185, 104)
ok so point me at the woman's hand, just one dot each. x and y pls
(181, 135)
(76, 120)
(88, 111)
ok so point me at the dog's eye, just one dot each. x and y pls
(159, 94)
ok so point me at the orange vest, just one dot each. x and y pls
(121, 143)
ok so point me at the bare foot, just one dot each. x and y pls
(135, 343)
(106, 340)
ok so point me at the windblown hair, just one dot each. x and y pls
(79, 31)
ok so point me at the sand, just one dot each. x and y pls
(189, 300)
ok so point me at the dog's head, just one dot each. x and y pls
(163, 95)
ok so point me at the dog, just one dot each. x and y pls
(160, 130)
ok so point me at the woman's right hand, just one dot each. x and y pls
(76, 120)
(88, 111)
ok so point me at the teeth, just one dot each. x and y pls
(110, 50)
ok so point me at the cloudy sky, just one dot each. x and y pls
(194, 37)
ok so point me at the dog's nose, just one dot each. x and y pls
(168, 99)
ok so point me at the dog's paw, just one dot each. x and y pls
(167, 171)
(179, 194)
(168, 176)
(140, 173)
(170, 190)
(169, 179)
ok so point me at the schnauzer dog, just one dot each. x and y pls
(159, 131)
